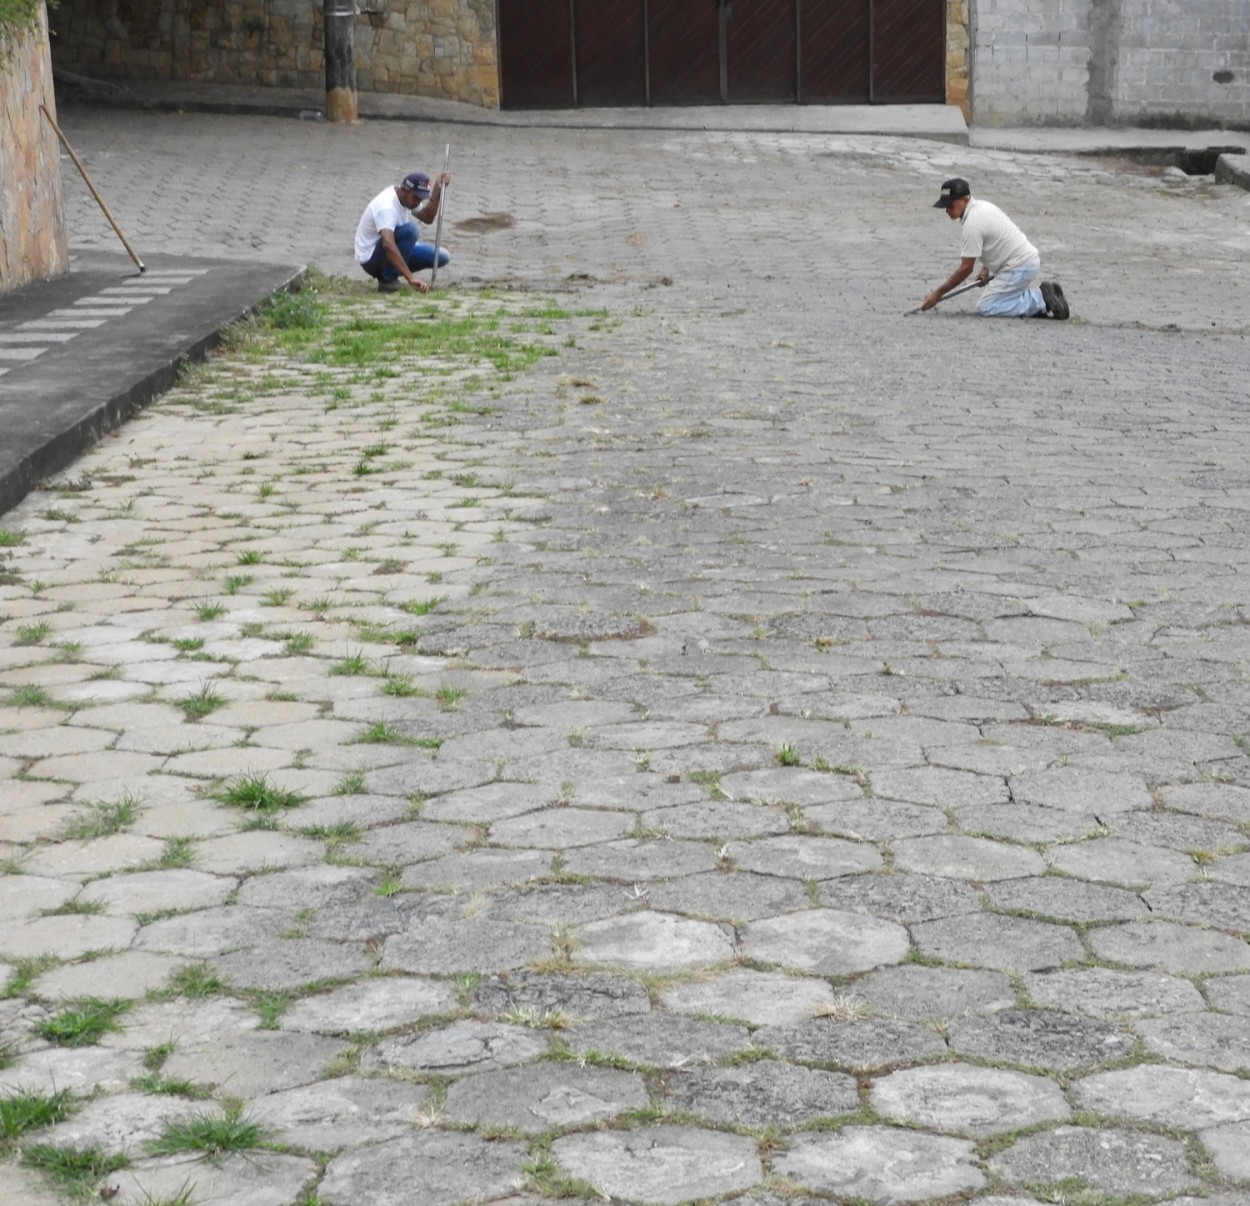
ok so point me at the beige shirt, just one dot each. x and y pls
(993, 238)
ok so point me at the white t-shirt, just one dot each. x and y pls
(993, 238)
(385, 212)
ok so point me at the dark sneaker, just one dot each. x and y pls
(391, 286)
(1056, 303)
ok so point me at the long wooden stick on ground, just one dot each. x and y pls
(91, 188)
(438, 226)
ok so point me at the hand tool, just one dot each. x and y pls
(954, 293)
(438, 226)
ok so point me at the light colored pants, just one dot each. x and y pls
(1013, 294)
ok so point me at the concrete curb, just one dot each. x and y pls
(56, 407)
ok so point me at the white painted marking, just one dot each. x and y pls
(40, 337)
(62, 324)
(111, 312)
(112, 301)
(21, 353)
(152, 289)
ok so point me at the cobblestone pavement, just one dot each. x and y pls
(822, 770)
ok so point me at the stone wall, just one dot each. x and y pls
(435, 48)
(33, 245)
(1111, 62)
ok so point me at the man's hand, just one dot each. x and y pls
(931, 300)
(418, 284)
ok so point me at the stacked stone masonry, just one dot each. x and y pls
(435, 48)
(32, 219)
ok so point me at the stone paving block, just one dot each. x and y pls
(1113, 860)
(290, 963)
(561, 904)
(825, 941)
(152, 891)
(803, 857)
(641, 859)
(488, 803)
(958, 857)
(235, 1179)
(347, 1111)
(562, 828)
(411, 842)
(451, 946)
(918, 994)
(478, 870)
(1220, 1041)
(241, 853)
(84, 859)
(1099, 792)
(899, 897)
(123, 1122)
(664, 1165)
(82, 1070)
(876, 820)
(853, 1045)
(246, 1064)
(24, 1187)
(1183, 949)
(1064, 899)
(1178, 831)
(129, 975)
(313, 886)
(379, 1003)
(1003, 943)
(790, 786)
(466, 1046)
(657, 1040)
(186, 1023)
(1026, 823)
(209, 932)
(966, 1100)
(881, 1165)
(574, 998)
(763, 1093)
(66, 936)
(1203, 902)
(722, 820)
(25, 896)
(728, 895)
(1160, 1095)
(941, 787)
(1040, 1038)
(653, 940)
(1227, 801)
(544, 1097)
(1229, 993)
(757, 998)
(1230, 1150)
(1115, 1162)
(1103, 992)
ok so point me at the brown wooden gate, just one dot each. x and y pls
(567, 53)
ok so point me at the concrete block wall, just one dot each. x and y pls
(437, 48)
(33, 243)
(1111, 62)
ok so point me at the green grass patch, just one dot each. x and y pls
(76, 1172)
(102, 820)
(211, 1134)
(85, 1022)
(256, 794)
(24, 1111)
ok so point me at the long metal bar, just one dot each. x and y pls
(438, 226)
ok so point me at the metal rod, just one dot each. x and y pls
(92, 189)
(438, 226)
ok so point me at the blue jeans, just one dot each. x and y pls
(1013, 294)
(416, 255)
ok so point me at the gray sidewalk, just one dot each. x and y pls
(770, 751)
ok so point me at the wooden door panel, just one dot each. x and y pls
(535, 54)
(685, 52)
(611, 53)
(909, 50)
(834, 51)
(761, 51)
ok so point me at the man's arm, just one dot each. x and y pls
(429, 211)
(961, 274)
(401, 266)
